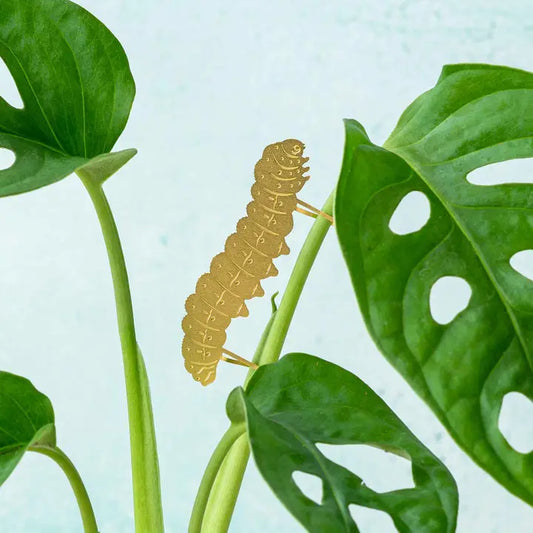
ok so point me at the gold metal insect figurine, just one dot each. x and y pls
(235, 274)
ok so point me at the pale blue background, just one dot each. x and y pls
(217, 81)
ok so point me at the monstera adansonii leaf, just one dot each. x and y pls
(302, 400)
(474, 116)
(77, 89)
(26, 419)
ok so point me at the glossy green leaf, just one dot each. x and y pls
(475, 115)
(302, 400)
(26, 419)
(74, 80)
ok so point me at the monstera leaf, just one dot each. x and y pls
(291, 405)
(26, 419)
(474, 116)
(76, 86)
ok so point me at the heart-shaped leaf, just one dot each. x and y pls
(302, 400)
(26, 419)
(74, 80)
(463, 366)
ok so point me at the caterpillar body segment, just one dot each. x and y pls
(279, 184)
(234, 278)
(279, 203)
(206, 314)
(205, 373)
(202, 333)
(235, 275)
(260, 238)
(200, 357)
(249, 259)
(219, 297)
(270, 219)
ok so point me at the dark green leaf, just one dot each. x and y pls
(475, 115)
(303, 400)
(74, 80)
(26, 419)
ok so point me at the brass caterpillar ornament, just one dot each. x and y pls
(235, 274)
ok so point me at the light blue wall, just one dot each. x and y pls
(217, 81)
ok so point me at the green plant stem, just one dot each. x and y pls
(221, 452)
(283, 317)
(227, 484)
(84, 504)
(210, 474)
(226, 487)
(144, 461)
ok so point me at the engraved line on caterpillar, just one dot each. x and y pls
(235, 275)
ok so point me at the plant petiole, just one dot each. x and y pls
(145, 466)
(213, 467)
(74, 478)
(223, 497)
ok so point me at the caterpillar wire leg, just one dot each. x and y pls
(310, 211)
(235, 359)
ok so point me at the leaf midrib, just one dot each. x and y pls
(35, 95)
(441, 413)
(389, 143)
(317, 456)
(82, 90)
(22, 410)
(456, 219)
(82, 95)
(34, 141)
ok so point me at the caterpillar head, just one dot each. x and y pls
(293, 147)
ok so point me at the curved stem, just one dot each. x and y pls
(145, 466)
(210, 475)
(226, 488)
(259, 350)
(282, 320)
(74, 478)
(218, 464)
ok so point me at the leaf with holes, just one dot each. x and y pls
(463, 366)
(302, 400)
(26, 419)
(74, 80)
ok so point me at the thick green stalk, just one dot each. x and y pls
(221, 451)
(226, 488)
(144, 461)
(283, 318)
(84, 504)
(210, 474)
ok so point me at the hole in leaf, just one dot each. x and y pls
(371, 520)
(516, 421)
(310, 485)
(522, 262)
(411, 214)
(380, 470)
(8, 88)
(511, 171)
(7, 158)
(448, 297)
